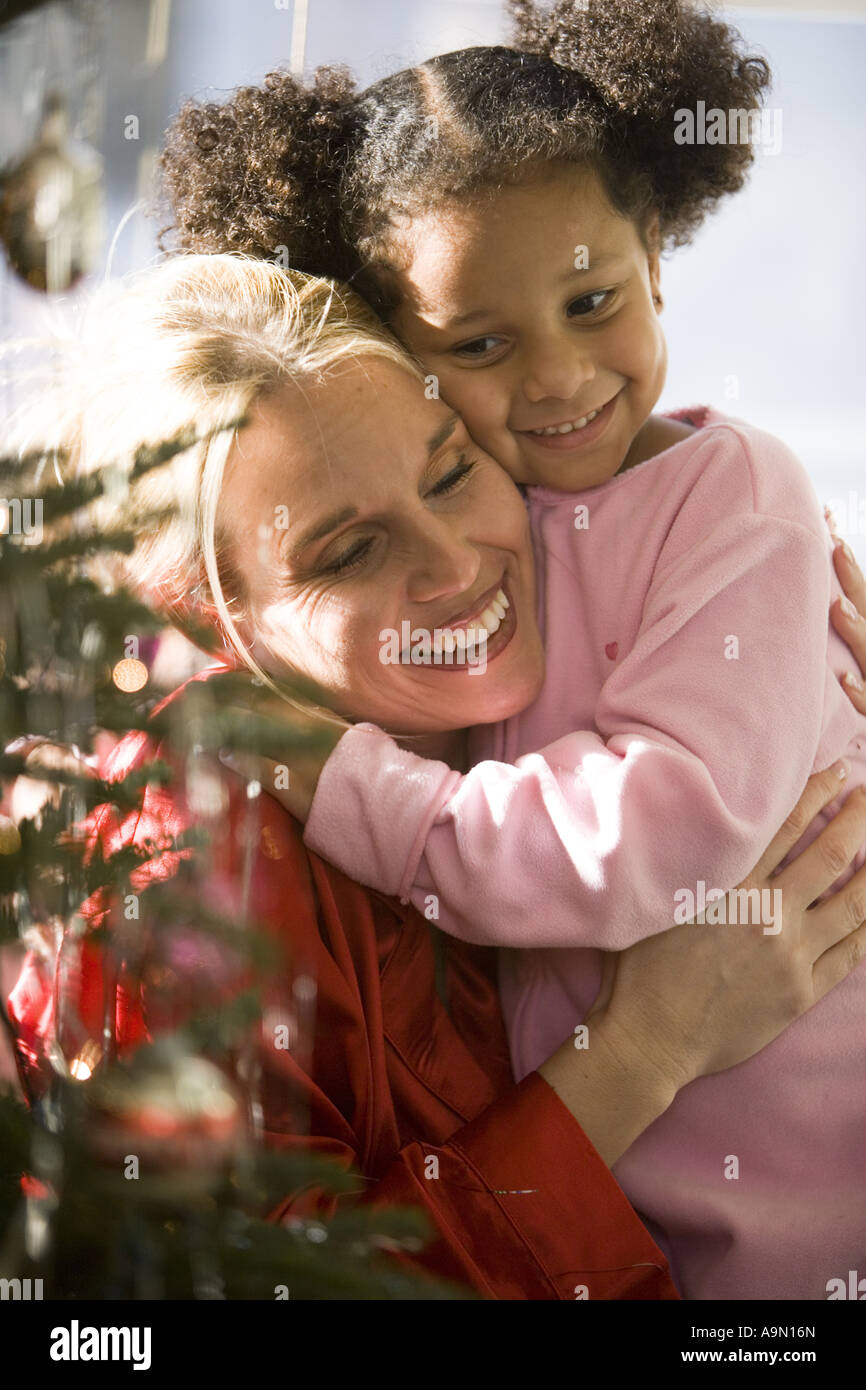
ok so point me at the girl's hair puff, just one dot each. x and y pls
(331, 174)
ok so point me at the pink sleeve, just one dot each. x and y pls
(708, 731)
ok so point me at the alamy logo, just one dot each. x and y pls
(762, 129)
(740, 907)
(442, 647)
(21, 518)
(76, 1343)
(850, 516)
(21, 1289)
(854, 1289)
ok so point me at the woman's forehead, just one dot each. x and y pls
(351, 428)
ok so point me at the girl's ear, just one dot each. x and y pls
(652, 241)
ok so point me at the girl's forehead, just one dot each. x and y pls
(524, 235)
(568, 203)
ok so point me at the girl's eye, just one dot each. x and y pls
(479, 347)
(449, 482)
(588, 303)
(351, 557)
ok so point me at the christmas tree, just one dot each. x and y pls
(135, 1172)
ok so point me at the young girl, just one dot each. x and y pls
(506, 209)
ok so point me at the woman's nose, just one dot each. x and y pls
(557, 369)
(443, 562)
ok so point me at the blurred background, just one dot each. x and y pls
(761, 311)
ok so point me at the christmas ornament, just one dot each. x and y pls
(167, 1117)
(51, 207)
(130, 675)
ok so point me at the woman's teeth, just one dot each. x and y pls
(574, 425)
(468, 639)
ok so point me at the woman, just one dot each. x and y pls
(409, 1060)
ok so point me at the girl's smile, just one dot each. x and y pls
(573, 434)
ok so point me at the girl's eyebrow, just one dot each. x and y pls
(467, 318)
(594, 265)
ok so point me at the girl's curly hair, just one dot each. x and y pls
(322, 174)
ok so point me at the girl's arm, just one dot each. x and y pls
(706, 733)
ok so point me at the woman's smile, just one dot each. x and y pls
(466, 644)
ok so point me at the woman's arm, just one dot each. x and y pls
(379, 1078)
(696, 1000)
(521, 1202)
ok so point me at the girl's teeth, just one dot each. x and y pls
(568, 429)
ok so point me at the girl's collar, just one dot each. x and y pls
(699, 416)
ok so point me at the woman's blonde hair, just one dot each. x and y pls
(192, 343)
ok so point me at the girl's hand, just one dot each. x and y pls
(849, 619)
(700, 998)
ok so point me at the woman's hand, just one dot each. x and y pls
(699, 998)
(301, 739)
(849, 617)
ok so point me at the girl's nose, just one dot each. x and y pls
(443, 563)
(556, 370)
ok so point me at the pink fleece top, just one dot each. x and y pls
(691, 688)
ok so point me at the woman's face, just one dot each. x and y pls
(361, 516)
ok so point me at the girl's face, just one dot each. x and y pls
(355, 509)
(534, 308)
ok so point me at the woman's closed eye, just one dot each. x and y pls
(453, 477)
(359, 550)
(350, 558)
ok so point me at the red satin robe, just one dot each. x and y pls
(523, 1206)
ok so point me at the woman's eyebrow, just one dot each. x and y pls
(330, 523)
(445, 429)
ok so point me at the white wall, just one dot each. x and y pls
(772, 291)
